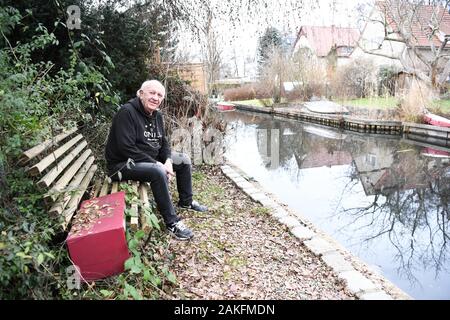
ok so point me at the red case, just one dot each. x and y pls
(96, 242)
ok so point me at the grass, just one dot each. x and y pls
(391, 103)
(371, 102)
(441, 105)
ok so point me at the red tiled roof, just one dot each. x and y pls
(323, 39)
(420, 28)
(322, 157)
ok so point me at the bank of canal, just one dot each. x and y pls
(384, 198)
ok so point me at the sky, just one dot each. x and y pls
(239, 42)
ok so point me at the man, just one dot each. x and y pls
(137, 149)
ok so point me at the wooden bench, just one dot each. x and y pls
(66, 167)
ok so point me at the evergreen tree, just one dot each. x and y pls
(117, 37)
(267, 43)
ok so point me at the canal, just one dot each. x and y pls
(384, 198)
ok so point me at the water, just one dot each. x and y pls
(386, 199)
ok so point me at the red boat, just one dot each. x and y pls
(225, 106)
(436, 120)
(430, 152)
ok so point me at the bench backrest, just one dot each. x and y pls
(65, 167)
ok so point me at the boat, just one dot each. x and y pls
(436, 120)
(225, 106)
(434, 153)
(325, 107)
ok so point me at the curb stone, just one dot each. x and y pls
(328, 251)
(302, 233)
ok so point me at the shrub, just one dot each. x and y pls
(32, 104)
(355, 80)
(307, 91)
(248, 92)
(414, 103)
(387, 78)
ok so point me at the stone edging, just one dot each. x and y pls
(332, 253)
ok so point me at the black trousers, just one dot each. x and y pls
(156, 175)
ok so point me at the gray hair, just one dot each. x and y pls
(149, 83)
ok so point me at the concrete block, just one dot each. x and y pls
(356, 282)
(233, 175)
(258, 196)
(279, 212)
(239, 180)
(244, 184)
(302, 233)
(290, 222)
(269, 203)
(250, 190)
(226, 167)
(319, 246)
(337, 262)
(378, 295)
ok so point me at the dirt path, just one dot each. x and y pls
(240, 252)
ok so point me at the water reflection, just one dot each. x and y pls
(385, 199)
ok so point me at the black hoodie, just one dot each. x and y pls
(136, 135)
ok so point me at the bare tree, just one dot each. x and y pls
(212, 53)
(415, 33)
(192, 12)
(415, 220)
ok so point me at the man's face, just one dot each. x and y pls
(151, 97)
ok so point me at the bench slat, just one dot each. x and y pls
(48, 160)
(76, 198)
(97, 187)
(115, 187)
(64, 180)
(143, 194)
(105, 187)
(134, 221)
(47, 180)
(37, 150)
(68, 175)
(59, 206)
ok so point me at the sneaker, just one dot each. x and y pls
(180, 231)
(196, 207)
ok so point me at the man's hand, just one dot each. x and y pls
(169, 169)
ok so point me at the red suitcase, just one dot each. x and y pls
(96, 242)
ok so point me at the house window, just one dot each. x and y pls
(371, 159)
(346, 51)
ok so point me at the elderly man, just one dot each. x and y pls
(137, 149)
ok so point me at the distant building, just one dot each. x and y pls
(333, 45)
(194, 73)
(394, 52)
(220, 85)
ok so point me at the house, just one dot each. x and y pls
(332, 45)
(194, 73)
(406, 37)
(219, 86)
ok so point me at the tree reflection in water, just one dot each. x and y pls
(410, 206)
(393, 193)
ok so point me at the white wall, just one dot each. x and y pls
(371, 38)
